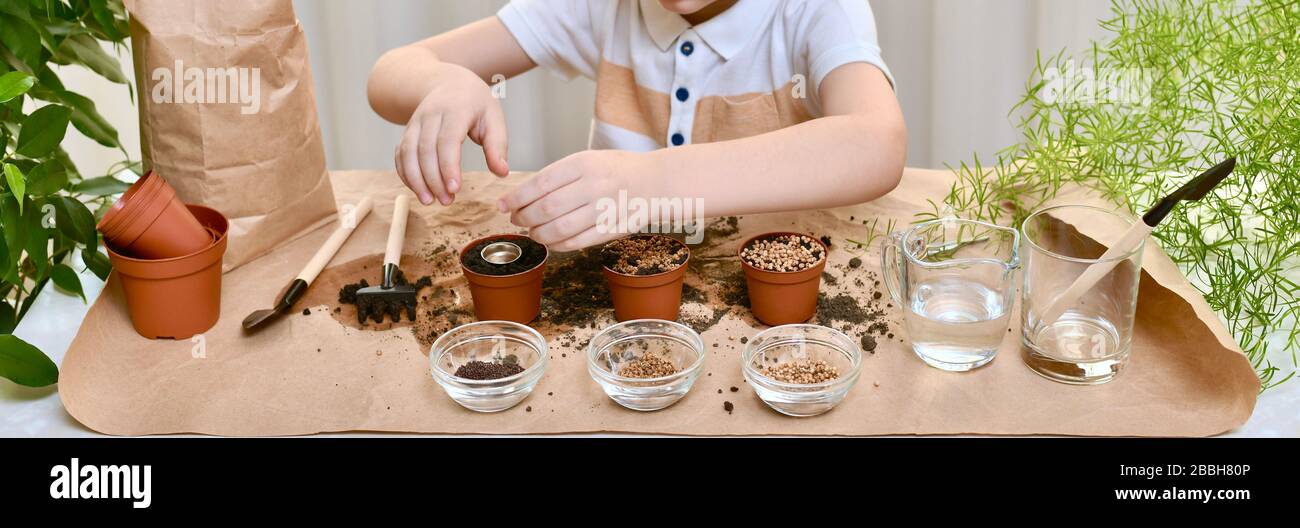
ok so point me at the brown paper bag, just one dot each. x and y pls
(228, 115)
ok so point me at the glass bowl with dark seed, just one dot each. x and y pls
(488, 366)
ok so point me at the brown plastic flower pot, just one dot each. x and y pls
(777, 298)
(149, 222)
(657, 296)
(516, 298)
(178, 297)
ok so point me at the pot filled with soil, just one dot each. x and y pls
(783, 272)
(645, 275)
(179, 297)
(505, 277)
(149, 222)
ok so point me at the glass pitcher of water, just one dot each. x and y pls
(954, 280)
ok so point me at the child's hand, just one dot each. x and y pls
(458, 105)
(558, 205)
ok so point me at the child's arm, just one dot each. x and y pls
(854, 154)
(438, 88)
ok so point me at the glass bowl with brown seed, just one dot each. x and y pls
(801, 369)
(488, 366)
(646, 364)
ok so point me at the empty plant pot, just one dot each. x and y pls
(509, 286)
(178, 297)
(652, 295)
(149, 222)
(783, 297)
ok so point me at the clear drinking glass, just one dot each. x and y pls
(1090, 341)
(955, 281)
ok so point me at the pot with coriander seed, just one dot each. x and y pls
(783, 274)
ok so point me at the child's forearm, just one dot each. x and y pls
(827, 162)
(400, 80)
(404, 76)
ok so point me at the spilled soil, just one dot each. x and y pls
(575, 298)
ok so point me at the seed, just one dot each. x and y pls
(644, 255)
(648, 366)
(802, 371)
(783, 253)
(482, 370)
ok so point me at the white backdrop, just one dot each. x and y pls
(960, 66)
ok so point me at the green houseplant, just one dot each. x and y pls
(48, 209)
(1203, 80)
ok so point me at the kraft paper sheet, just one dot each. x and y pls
(311, 374)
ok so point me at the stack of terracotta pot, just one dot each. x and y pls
(167, 256)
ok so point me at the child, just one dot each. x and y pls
(753, 106)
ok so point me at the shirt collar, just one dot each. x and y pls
(726, 33)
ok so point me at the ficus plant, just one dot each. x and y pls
(1176, 87)
(48, 209)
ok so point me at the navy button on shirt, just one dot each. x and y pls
(682, 94)
(678, 139)
(687, 48)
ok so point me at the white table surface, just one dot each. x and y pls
(54, 318)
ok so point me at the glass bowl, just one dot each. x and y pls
(618, 345)
(781, 344)
(488, 341)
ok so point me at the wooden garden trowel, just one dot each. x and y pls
(297, 288)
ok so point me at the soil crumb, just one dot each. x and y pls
(868, 343)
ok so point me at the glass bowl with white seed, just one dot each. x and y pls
(801, 369)
(646, 364)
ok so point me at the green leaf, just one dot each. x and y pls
(17, 183)
(47, 178)
(43, 130)
(97, 262)
(65, 278)
(14, 84)
(8, 317)
(15, 239)
(88, 120)
(23, 40)
(85, 50)
(31, 297)
(62, 157)
(24, 364)
(5, 264)
(105, 18)
(74, 220)
(38, 238)
(101, 186)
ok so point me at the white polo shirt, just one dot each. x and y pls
(662, 82)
